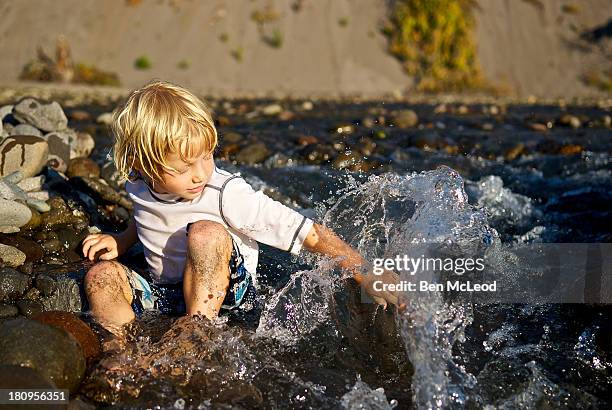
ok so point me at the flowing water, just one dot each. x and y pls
(313, 342)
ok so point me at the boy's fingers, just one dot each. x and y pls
(87, 244)
(109, 255)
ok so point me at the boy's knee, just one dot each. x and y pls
(208, 234)
(103, 273)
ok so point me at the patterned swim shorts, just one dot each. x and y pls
(169, 299)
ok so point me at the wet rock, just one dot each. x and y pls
(67, 296)
(368, 122)
(46, 117)
(569, 120)
(68, 322)
(25, 129)
(366, 146)
(539, 127)
(7, 311)
(278, 160)
(79, 115)
(345, 129)
(105, 118)
(82, 145)
(571, 149)
(13, 284)
(405, 119)
(17, 377)
(51, 245)
(228, 150)
(514, 152)
(50, 351)
(348, 159)
(286, 115)
(606, 121)
(29, 307)
(61, 214)
(34, 222)
(253, 154)
(272, 109)
(232, 138)
(112, 176)
(99, 189)
(11, 256)
(83, 167)
(317, 153)
(13, 215)
(23, 153)
(31, 249)
(46, 285)
(304, 140)
(307, 105)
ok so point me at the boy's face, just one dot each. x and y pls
(191, 177)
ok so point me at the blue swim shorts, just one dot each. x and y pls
(169, 299)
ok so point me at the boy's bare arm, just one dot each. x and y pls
(323, 240)
(127, 238)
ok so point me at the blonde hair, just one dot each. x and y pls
(158, 119)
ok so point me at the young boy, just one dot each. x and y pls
(199, 224)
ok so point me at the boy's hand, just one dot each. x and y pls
(374, 286)
(99, 241)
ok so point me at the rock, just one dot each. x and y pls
(112, 176)
(79, 115)
(31, 184)
(23, 153)
(405, 119)
(232, 138)
(13, 284)
(538, 127)
(34, 221)
(13, 215)
(59, 148)
(67, 295)
(11, 256)
(344, 129)
(11, 191)
(105, 118)
(317, 153)
(46, 285)
(304, 140)
(99, 189)
(8, 311)
(61, 214)
(74, 326)
(570, 121)
(32, 250)
(25, 129)
(286, 115)
(51, 245)
(50, 351)
(29, 307)
(46, 117)
(82, 145)
(278, 160)
(347, 160)
(307, 105)
(571, 149)
(5, 110)
(253, 154)
(514, 152)
(272, 109)
(83, 167)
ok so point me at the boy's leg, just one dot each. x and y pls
(110, 295)
(206, 277)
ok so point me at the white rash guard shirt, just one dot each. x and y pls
(248, 215)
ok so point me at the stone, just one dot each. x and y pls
(82, 145)
(74, 326)
(5, 110)
(50, 351)
(8, 311)
(405, 119)
(99, 189)
(105, 118)
(83, 167)
(11, 256)
(79, 115)
(24, 153)
(60, 148)
(31, 184)
(112, 176)
(46, 117)
(272, 109)
(11, 191)
(569, 120)
(253, 154)
(29, 307)
(34, 221)
(61, 214)
(13, 284)
(40, 195)
(307, 105)
(46, 285)
(232, 137)
(307, 140)
(32, 250)
(13, 215)
(25, 129)
(67, 294)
